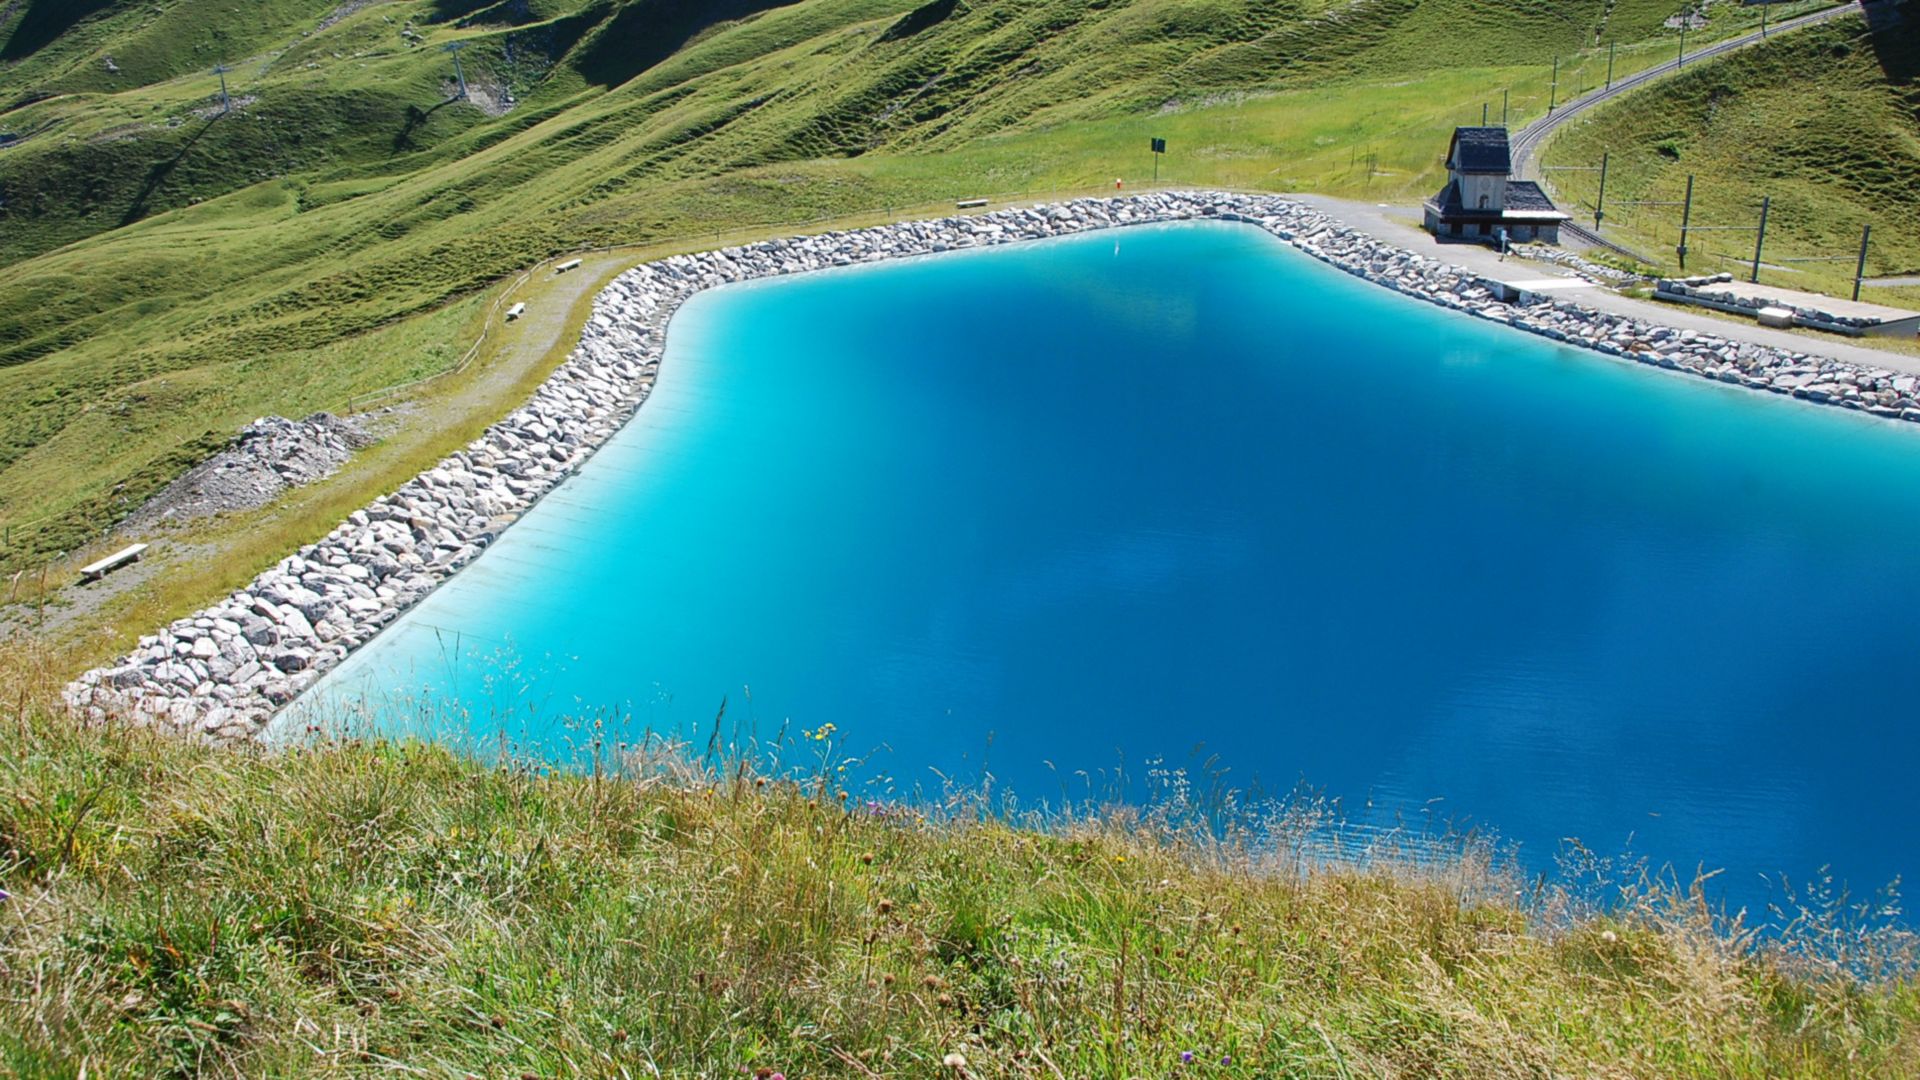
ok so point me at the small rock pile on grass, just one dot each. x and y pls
(266, 458)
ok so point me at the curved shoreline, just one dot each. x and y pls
(224, 672)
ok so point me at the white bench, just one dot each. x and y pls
(97, 570)
(516, 311)
(570, 264)
(968, 204)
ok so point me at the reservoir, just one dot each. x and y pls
(1179, 494)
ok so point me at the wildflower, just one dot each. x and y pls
(955, 1060)
(1226, 1059)
(1609, 936)
(1186, 1057)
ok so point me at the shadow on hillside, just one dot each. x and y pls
(44, 21)
(1896, 39)
(476, 12)
(157, 176)
(417, 118)
(925, 17)
(645, 32)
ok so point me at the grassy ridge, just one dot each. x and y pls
(177, 910)
(1826, 122)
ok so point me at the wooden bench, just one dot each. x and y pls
(516, 311)
(570, 264)
(968, 204)
(97, 570)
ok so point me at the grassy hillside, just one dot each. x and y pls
(1826, 122)
(172, 910)
(178, 272)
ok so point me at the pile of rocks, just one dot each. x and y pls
(1585, 267)
(224, 672)
(1720, 291)
(266, 458)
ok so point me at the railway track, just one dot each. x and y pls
(1530, 138)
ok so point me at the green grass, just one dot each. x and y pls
(1825, 122)
(359, 908)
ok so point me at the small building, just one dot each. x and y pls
(1483, 202)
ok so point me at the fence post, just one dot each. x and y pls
(1686, 219)
(1600, 201)
(1759, 241)
(1860, 268)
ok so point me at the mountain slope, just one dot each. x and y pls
(173, 280)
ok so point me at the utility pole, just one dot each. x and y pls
(1600, 203)
(1760, 240)
(1763, 33)
(1553, 95)
(226, 103)
(1686, 220)
(1611, 46)
(454, 47)
(1860, 268)
(1685, 18)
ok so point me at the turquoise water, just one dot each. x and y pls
(1182, 493)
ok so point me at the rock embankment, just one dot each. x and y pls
(223, 672)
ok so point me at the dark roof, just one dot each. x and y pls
(1526, 195)
(1480, 150)
(1522, 195)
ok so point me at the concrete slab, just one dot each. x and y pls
(1550, 284)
